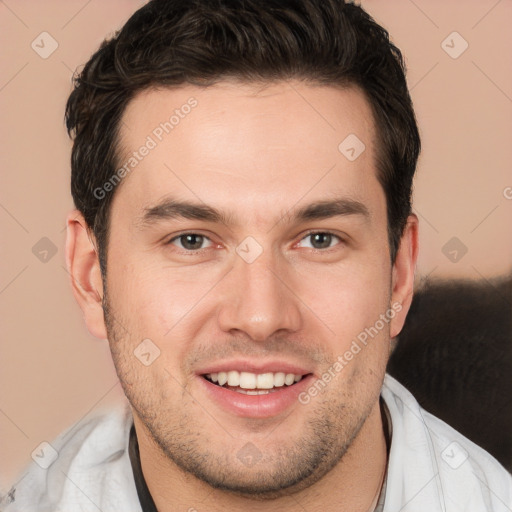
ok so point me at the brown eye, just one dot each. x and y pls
(190, 241)
(321, 239)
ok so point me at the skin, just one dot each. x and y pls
(257, 152)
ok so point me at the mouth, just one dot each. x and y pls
(260, 393)
(249, 383)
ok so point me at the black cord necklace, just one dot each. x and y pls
(145, 498)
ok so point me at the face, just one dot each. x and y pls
(245, 245)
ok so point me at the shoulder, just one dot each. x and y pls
(84, 468)
(432, 463)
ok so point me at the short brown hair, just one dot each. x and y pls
(201, 42)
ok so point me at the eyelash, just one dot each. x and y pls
(310, 233)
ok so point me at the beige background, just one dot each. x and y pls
(53, 372)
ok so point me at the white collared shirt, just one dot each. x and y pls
(432, 467)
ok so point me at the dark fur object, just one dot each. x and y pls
(455, 356)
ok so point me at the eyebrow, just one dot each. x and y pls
(170, 209)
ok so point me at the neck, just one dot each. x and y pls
(354, 484)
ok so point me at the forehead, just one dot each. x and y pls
(246, 145)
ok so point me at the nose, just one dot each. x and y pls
(258, 299)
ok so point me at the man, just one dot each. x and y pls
(243, 238)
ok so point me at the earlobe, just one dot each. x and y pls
(84, 268)
(403, 273)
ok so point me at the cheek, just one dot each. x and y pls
(167, 306)
(163, 305)
(348, 298)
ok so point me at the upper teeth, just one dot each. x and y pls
(247, 380)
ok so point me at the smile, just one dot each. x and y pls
(253, 383)
(259, 393)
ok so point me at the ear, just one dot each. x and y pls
(403, 274)
(84, 268)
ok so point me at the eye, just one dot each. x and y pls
(321, 239)
(191, 242)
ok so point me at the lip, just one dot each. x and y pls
(241, 365)
(254, 406)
